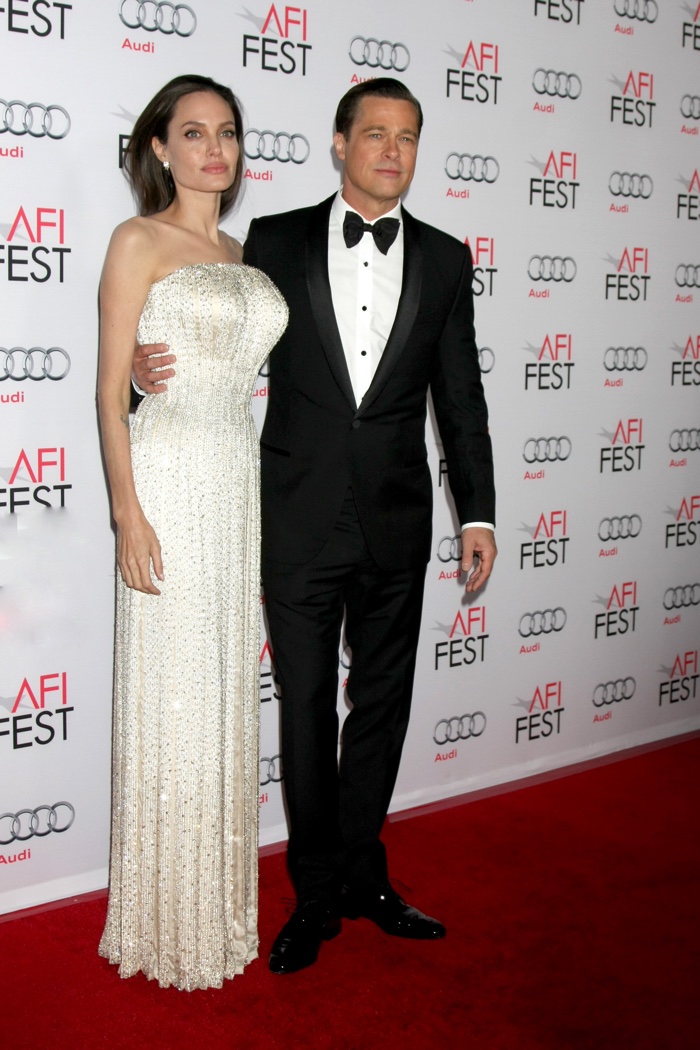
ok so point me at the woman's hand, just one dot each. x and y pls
(137, 549)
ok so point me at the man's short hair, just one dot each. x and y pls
(382, 87)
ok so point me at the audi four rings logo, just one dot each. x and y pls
(686, 440)
(630, 184)
(32, 118)
(551, 268)
(35, 823)
(379, 54)
(623, 527)
(276, 145)
(642, 10)
(158, 17)
(690, 107)
(36, 363)
(271, 770)
(450, 549)
(472, 167)
(625, 359)
(543, 621)
(688, 275)
(450, 730)
(487, 359)
(561, 85)
(682, 597)
(606, 693)
(547, 450)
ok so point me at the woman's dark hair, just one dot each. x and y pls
(152, 185)
(382, 87)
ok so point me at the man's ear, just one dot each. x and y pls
(339, 145)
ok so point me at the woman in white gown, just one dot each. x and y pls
(184, 489)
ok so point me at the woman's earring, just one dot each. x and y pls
(166, 165)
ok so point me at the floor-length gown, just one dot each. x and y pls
(183, 868)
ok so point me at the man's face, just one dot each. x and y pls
(379, 155)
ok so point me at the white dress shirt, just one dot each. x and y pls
(365, 287)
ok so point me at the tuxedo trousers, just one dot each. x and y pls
(336, 805)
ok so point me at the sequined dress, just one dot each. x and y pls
(183, 867)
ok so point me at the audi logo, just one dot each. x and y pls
(688, 275)
(450, 549)
(551, 268)
(682, 597)
(36, 363)
(546, 449)
(271, 770)
(32, 118)
(487, 359)
(686, 440)
(450, 730)
(690, 107)
(623, 527)
(276, 145)
(472, 167)
(543, 621)
(35, 823)
(158, 17)
(380, 54)
(642, 10)
(630, 184)
(607, 693)
(625, 359)
(561, 85)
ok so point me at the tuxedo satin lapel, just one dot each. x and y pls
(405, 312)
(319, 287)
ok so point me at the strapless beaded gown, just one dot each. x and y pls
(183, 868)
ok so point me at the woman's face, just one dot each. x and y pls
(201, 148)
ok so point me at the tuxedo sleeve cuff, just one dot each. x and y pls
(479, 525)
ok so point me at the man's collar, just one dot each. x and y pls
(340, 206)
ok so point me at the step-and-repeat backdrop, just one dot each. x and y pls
(561, 142)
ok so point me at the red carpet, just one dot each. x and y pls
(573, 922)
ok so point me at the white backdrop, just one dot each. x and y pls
(561, 141)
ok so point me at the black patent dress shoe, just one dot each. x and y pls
(298, 942)
(383, 906)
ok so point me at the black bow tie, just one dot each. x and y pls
(384, 231)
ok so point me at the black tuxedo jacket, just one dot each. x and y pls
(316, 441)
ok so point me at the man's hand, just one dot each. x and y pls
(478, 555)
(149, 367)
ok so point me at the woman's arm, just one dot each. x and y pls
(126, 278)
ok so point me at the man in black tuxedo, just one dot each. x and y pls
(380, 312)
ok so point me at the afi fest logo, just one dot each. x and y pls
(554, 364)
(43, 712)
(466, 639)
(558, 184)
(624, 453)
(281, 44)
(483, 258)
(682, 679)
(38, 476)
(635, 104)
(630, 286)
(691, 30)
(565, 11)
(477, 78)
(688, 203)
(621, 610)
(684, 530)
(686, 372)
(544, 713)
(35, 18)
(41, 257)
(547, 547)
